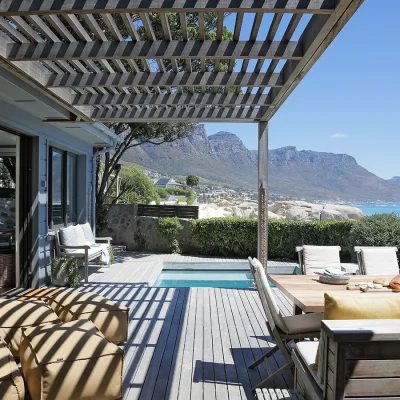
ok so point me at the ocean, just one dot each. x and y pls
(370, 209)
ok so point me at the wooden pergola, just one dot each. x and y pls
(76, 52)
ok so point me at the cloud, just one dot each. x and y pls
(339, 136)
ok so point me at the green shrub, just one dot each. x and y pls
(376, 230)
(163, 193)
(238, 236)
(136, 187)
(66, 268)
(188, 194)
(169, 228)
(235, 237)
(284, 236)
(112, 255)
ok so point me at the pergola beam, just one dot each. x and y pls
(198, 99)
(195, 114)
(159, 49)
(88, 58)
(45, 7)
(316, 37)
(150, 79)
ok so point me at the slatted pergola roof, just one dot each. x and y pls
(120, 60)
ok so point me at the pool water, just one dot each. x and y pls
(213, 274)
(203, 278)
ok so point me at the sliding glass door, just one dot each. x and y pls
(9, 192)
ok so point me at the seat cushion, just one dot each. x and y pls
(318, 258)
(68, 238)
(87, 229)
(16, 315)
(71, 361)
(380, 261)
(375, 306)
(92, 252)
(304, 323)
(11, 383)
(307, 351)
(109, 317)
(80, 235)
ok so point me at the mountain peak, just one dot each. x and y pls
(226, 136)
(395, 179)
(223, 159)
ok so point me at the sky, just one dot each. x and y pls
(349, 102)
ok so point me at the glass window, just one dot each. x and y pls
(63, 190)
(72, 188)
(57, 161)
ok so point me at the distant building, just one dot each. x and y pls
(167, 183)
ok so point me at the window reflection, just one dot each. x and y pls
(57, 187)
(72, 188)
(64, 190)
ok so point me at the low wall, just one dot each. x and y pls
(229, 237)
(141, 233)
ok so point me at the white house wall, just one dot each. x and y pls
(20, 121)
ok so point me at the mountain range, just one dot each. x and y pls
(223, 159)
(395, 179)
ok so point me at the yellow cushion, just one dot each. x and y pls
(11, 382)
(40, 294)
(366, 306)
(16, 315)
(71, 361)
(109, 317)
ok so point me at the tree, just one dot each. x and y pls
(192, 180)
(132, 135)
(163, 193)
(136, 187)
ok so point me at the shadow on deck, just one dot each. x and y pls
(186, 343)
(191, 343)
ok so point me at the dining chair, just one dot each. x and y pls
(318, 258)
(377, 260)
(282, 329)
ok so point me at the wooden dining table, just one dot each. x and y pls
(307, 293)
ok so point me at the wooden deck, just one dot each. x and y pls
(187, 343)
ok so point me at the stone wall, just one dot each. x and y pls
(141, 233)
(7, 214)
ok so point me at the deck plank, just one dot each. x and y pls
(188, 343)
(164, 329)
(175, 372)
(185, 383)
(197, 389)
(209, 384)
(246, 379)
(137, 344)
(235, 390)
(153, 339)
(219, 361)
(174, 338)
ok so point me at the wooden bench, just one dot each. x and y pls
(277, 394)
(85, 253)
(359, 359)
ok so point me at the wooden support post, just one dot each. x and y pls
(263, 193)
